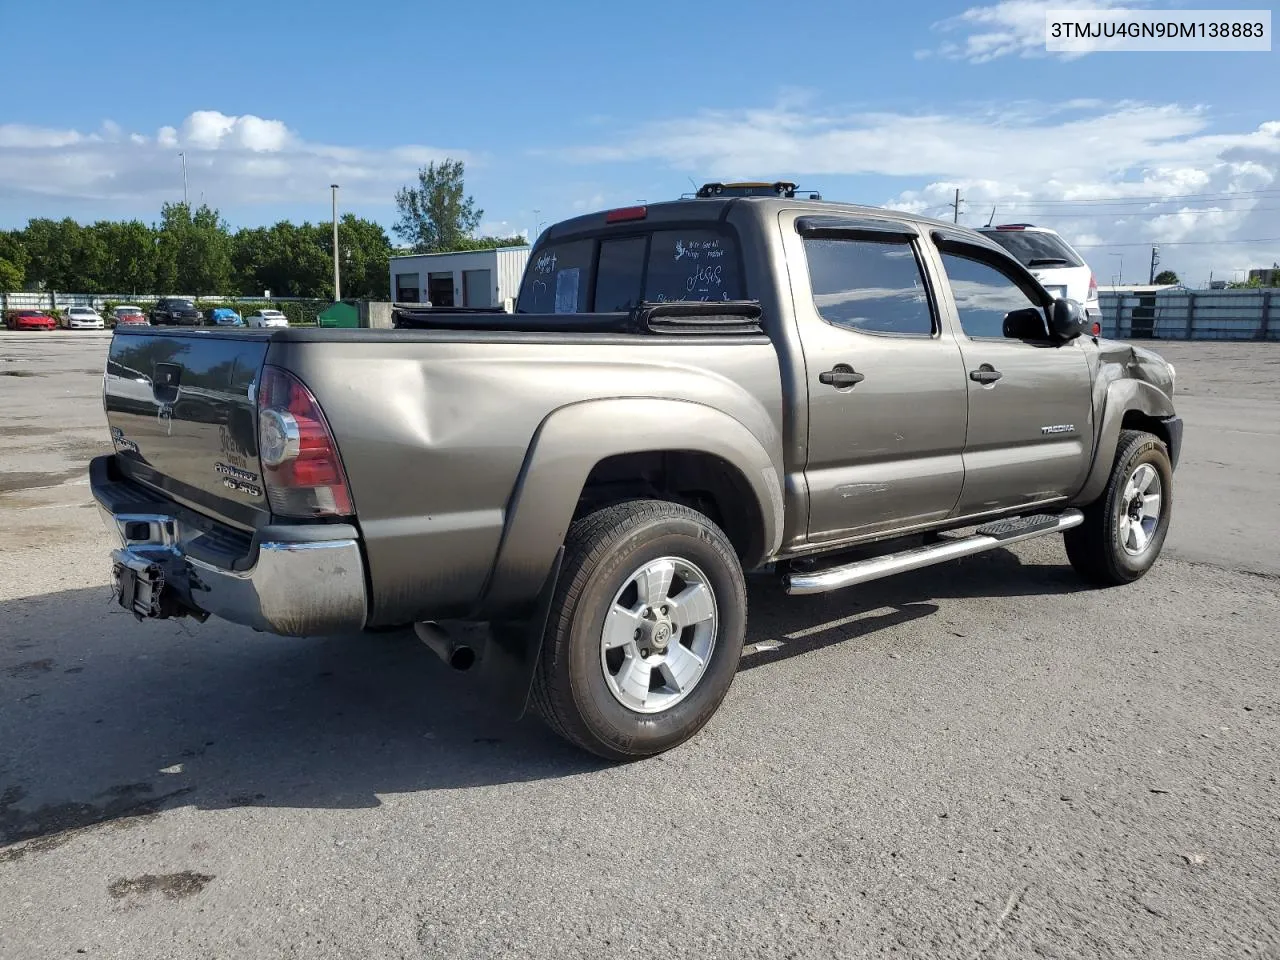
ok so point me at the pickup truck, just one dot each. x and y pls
(687, 390)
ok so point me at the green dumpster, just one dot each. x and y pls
(344, 313)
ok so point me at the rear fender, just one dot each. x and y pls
(573, 439)
(1123, 396)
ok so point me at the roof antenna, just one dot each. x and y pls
(993, 215)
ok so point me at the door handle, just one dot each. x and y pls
(841, 375)
(985, 374)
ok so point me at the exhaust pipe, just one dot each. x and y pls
(460, 656)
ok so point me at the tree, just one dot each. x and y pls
(194, 250)
(11, 276)
(130, 256)
(1166, 276)
(437, 216)
(13, 261)
(365, 252)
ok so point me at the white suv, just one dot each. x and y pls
(1059, 269)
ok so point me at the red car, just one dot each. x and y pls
(31, 320)
(127, 314)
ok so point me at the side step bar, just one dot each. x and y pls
(997, 534)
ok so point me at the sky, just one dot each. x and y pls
(558, 108)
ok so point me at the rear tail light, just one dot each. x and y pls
(1093, 288)
(300, 463)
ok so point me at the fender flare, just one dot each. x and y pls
(1123, 396)
(568, 444)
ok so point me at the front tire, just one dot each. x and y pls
(645, 632)
(1125, 529)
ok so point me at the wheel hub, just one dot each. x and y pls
(658, 635)
(656, 632)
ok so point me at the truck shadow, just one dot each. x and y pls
(106, 719)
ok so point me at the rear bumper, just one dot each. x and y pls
(293, 580)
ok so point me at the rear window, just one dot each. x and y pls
(617, 273)
(1030, 245)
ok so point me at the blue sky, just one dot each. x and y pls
(563, 107)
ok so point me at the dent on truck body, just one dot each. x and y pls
(434, 431)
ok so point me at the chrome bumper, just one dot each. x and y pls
(294, 589)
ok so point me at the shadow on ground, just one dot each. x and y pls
(105, 718)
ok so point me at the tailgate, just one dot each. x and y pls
(183, 420)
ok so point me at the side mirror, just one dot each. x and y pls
(1025, 324)
(1067, 319)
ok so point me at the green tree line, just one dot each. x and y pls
(191, 250)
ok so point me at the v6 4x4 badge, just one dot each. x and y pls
(234, 478)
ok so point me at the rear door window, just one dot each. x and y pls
(874, 286)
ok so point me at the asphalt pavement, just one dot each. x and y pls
(980, 760)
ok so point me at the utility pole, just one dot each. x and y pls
(337, 289)
(955, 208)
(184, 178)
(1155, 261)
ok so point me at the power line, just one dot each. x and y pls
(1085, 215)
(1176, 243)
(1149, 198)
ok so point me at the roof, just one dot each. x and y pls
(712, 209)
(1139, 287)
(457, 253)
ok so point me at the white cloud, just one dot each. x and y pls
(501, 228)
(231, 160)
(1026, 159)
(1008, 28)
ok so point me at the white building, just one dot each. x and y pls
(472, 278)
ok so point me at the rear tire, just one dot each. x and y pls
(1124, 529)
(645, 632)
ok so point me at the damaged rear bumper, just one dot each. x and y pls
(294, 580)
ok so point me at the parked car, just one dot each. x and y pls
(224, 317)
(1052, 261)
(128, 314)
(687, 390)
(30, 320)
(176, 311)
(268, 318)
(84, 318)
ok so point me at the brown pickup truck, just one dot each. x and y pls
(686, 390)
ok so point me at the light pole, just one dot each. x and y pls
(337, 289)
(537, 225)
(1120, 280)
(184, 178)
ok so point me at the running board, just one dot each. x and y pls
(988, 537)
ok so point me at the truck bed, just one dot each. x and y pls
(434, 426)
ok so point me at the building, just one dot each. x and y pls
(469, 278)
(1267, 276)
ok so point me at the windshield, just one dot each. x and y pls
(182, 304)
(616, 273)
(1031, 245)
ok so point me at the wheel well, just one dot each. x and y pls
(1137, 420)
(703, 481)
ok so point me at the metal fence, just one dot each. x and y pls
(1191, 315)
(49, 300)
